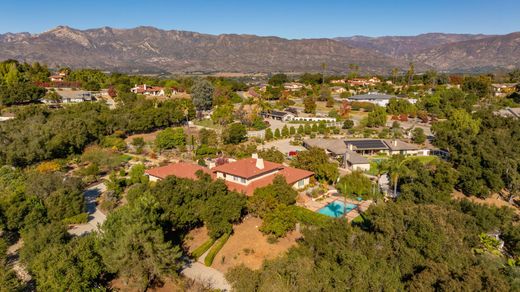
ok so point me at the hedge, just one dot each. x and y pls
(308, 217)
(77, 219)
(208, 260)
(199, 251)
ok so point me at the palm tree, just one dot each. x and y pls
(343, 187)
(382, 166)
(396, 168)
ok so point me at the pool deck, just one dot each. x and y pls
(318, 204)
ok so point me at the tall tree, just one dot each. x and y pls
(202, 94)
(134, 246)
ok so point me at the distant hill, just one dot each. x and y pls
(447, 52)
(152, 50)
(147, 49)
(485, 54)
(404, 46)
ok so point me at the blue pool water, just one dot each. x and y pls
(336, 209)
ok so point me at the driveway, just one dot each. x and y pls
(282, 145)
(207, 276)
(95, 216)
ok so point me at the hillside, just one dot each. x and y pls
(147, 49)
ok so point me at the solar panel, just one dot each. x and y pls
(367, 144)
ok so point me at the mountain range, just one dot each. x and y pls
(152, 50)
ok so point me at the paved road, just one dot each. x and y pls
(95, 216)
(206, 275)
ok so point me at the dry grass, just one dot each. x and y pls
(494, 200)
(249, 246)
(195, 238)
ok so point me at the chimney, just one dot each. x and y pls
(144, 86)
(260, 163)
(350, 147)
(394, 142)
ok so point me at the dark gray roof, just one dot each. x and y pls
(277, 113)
(376, 96)
(335, 146)
(397, 145)
(354, 158)
(367, 144)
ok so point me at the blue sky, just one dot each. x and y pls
(290, 19)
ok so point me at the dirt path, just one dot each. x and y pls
(95, 216)
(13, 257)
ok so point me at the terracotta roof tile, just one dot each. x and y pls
(181, 169)
(246, 168)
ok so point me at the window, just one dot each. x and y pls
(243, 180)
(301, 183)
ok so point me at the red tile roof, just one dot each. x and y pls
(242, 168)
(181, 169)
(246, 168)
(291, 174)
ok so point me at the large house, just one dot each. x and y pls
(288, 116)
(376, 98)
(70, 96)
(385, 146)
(293, 86)
(351, 151)
(337, 89)
(503, 89)
(279, 115)
(148, 90)
(243, 175)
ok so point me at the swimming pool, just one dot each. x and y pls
(336, 209)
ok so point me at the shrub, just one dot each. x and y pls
(199, 251)
(208, 260)
(278, 222)
(77, 219)
(308, 217)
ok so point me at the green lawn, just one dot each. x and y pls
(206, 123)
(373, 164)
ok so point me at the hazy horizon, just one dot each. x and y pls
(289, 19)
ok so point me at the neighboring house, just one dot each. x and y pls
(293, 86)
(503, 89)
(352, 151)
(60, 77)
(334, 147)
(57, 78)
(338, 89)
(363, 82)
(375, 98)
(338, 149)
(374, 80)
(367, 146)
(358, 82)
(278, 115)
(338, 81)
(70, 96)
(354, 161)
(399, 147)
(148, 90)
(509, 112)
(386, 146)
(243, 175)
